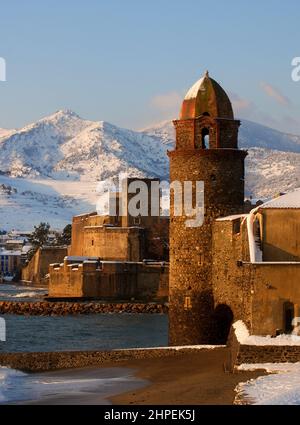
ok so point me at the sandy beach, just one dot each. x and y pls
(191, 378)
(197, 379)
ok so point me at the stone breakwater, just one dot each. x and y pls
(44, 308)
(42, 362)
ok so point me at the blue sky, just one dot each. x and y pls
(131, 62)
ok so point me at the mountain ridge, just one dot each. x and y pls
(51, 168)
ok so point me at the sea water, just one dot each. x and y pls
(69, 333)
(14, 292)
(77, 332)
(80, 386)
(84, 332)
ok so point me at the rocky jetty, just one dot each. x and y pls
(44, 308)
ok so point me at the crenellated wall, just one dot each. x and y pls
(108, 279)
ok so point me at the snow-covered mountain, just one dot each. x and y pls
(65, 146)
(4, 132)
(49, 170)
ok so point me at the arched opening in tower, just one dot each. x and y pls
(205, 138)
(223, 317)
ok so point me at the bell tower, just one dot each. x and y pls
(206, 150)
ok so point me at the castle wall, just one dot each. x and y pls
(78, 224)
(93, 235)
(38, 266)
(255, 292)
(108, 279)
(274, 285)
(113, 243)
(65, 280)
(238, 353)
(232, 284)
(281, 237)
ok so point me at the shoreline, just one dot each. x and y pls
(191, 379)
(159, 377)
(86, 386)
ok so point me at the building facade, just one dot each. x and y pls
(256, 268)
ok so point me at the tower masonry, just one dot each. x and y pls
(206, 150)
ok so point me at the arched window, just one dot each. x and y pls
(205, 138)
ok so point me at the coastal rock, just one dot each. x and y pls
(46, 308)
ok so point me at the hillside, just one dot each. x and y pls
(49, 170)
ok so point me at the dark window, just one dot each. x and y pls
(236, 226)
(288, 316)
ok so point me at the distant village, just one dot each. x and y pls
(16, 250)
(14, 247)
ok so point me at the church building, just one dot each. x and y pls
(236, 266)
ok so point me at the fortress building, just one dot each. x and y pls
(206, 150)
(115, 256)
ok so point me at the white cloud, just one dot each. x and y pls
(275, 94)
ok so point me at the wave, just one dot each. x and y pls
(27, 295)
(9, 379)
(18, 387)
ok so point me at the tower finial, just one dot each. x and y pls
(206, 74)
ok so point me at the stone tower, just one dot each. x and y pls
(206, 150)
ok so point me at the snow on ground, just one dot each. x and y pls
(26, 202)
(180, 347)
(245, 338)
(282, 387)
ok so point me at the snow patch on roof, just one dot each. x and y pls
(232, 217)
(193, 91)
(289, 200)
